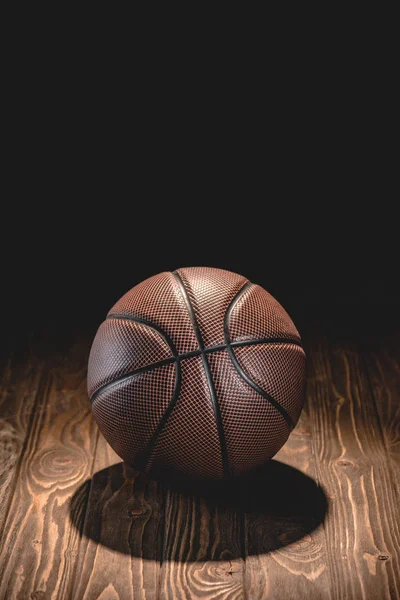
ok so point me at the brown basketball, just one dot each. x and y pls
(199, 372)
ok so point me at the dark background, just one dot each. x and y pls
(72, 267)
(73, 255)
(117, 170)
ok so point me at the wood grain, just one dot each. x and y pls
(120, 552)
(39, 545)
(79, 524)
(202, 556)
(140, 540)
(383, 368)
(286, 548)
(20, 375)
(362, 535)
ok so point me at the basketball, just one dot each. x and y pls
(198, 372)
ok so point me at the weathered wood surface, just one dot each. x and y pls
(77, 523)
(363, 549)
(119, 555)
(382, 359)
(202, 552)
(286, 549)
(20, 376)
(39, 545)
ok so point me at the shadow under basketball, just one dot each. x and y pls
(176, 520)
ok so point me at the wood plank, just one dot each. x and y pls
(362, 533)
(134, 524)
(119, 555)
(202, 554)
(39, 543)
(346, 438)
(383, 368)
(285, 538)
(123, 543)
(20, 375)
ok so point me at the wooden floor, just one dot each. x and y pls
(321, 521)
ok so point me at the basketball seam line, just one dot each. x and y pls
(163, 333)
(179, 357)
(208, 373)
(143, 457)
(193, 353)
(239, 368)
(269, 340)
(139, 371)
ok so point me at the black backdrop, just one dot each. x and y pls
(73, 265)
(102, 195)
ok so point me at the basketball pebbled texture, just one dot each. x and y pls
(199, 371)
